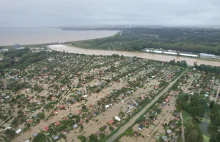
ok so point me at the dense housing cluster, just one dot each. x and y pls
(58, 96)
(186, 111)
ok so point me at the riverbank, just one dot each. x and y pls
(158, 57)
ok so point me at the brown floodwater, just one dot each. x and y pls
(190, 61)
(24, 36)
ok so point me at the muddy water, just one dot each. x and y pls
(151, 56)
(11, 36)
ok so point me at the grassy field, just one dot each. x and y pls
(205, 138)
(186, 117)
(179, 139)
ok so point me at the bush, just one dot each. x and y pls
(10, 133)
(82, 138)
(111, 128)
(41, 115)
(102, 129)
(40, 138)
(129, 132)
(102, 136)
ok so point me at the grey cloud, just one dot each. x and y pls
(97, 12)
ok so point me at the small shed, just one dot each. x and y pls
(18, 131)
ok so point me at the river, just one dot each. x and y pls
(151, 56)
(23, 36)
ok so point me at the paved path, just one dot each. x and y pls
(182, 127)
(135, 117)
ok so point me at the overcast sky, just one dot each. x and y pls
(41, 13)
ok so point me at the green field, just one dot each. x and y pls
(205, 138)
(186, 117)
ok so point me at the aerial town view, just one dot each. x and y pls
(109, 76)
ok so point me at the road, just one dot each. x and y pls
(189, 84)
(182, 127)
(135, 117)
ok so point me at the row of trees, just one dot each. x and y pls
(214, 126)
(202, 67)
(179, 63)
(208, 68)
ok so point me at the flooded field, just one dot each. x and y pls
(47, 35)
(158, 57)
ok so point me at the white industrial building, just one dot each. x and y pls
(158, 51)
(188, 55)
(205, 55)
(3, 50)
(171, 53)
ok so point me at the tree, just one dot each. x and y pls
(129, 132)
(215, 137)
(211, 104)
(93, 138)
(82, 138)
(121, 114)
(111, 128)
(195, 106)
(102, 129)
(102, 136)
(10, 133)
(15, 121)
(193, 133)
(40, 138)
(214, 126)
(41, 115)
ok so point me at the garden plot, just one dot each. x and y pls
(51, 98)
(27, 96)
(69, 96)
(151, 126)
(114, 109)
(204, 84)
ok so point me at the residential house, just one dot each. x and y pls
(141, 127)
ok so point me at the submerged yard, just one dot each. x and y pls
(58, 96)
(164, 121)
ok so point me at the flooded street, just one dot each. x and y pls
(150, 56)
